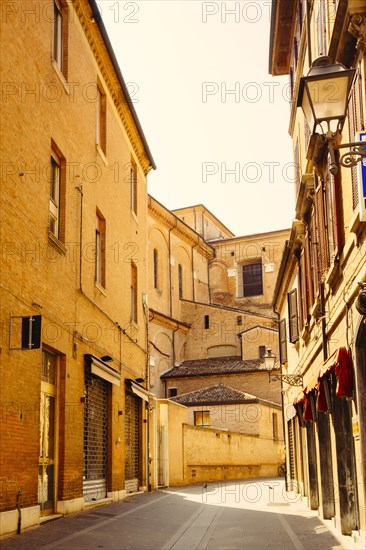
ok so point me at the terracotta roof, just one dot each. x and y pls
(214, 365)
(218, 394)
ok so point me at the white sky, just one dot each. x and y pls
(180, 59)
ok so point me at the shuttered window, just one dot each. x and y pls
(355, 124)
(334, 216)
(306, 270)
(283, 342)
(321, 232)
(293, 316)
(321, 30)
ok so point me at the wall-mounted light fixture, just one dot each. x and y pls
(324, 96)
(270, 362)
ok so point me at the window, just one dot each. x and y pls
(56, 224)
(173, 392)
(133, 186)
(101, 121)
(293, 315)
(283, 343)
(55, 196)
(206, 321)
(356, 123)
(322, 29)
(262, 351)
(100, 250)
(239, 320)
(252, 279)
(156, 267)
(180, 281)
(201, 418)
(59, 38)
(133, 294)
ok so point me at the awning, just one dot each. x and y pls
(138, 390)
(340, 363)
(103, 370)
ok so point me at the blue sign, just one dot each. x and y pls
(363, 168)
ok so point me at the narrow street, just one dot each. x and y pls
(230, 515)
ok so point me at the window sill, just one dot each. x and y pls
(57, 243)
(101, 288)
(101, 154)
(61, 77)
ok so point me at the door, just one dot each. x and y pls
(47, 466)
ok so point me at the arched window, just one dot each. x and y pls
(156, 267)
(180, 281)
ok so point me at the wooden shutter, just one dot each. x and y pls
(321, 232)
(314, 270)
(293, 316)
(306, 282)
(355, 124)
(283, 341)
(334, 216)
(321, 29)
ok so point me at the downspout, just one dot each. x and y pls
(19, 528)
(308, 32)
(147, 376)
(324, 322)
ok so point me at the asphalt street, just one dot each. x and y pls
(251, 514)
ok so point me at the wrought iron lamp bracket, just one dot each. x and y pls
(290, 379)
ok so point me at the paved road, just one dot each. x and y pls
(255, 514)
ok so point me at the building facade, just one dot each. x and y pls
(73, 272)
(320, 290)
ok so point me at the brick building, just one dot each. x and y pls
(320, 291)
(73, 272)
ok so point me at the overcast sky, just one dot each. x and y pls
(215, 120)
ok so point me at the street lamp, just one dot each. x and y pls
(323, 96)
(269, 359)
(269, 363)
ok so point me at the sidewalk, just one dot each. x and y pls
(229, 515)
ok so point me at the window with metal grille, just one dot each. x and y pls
(173, 392)
(253, 279)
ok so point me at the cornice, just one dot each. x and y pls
(179, 228)
(84, 12)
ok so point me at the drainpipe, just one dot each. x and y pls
(308, 32)
(19, 494)
(324, 322)
(147, 376)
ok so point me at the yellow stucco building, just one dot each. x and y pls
(320, 291)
